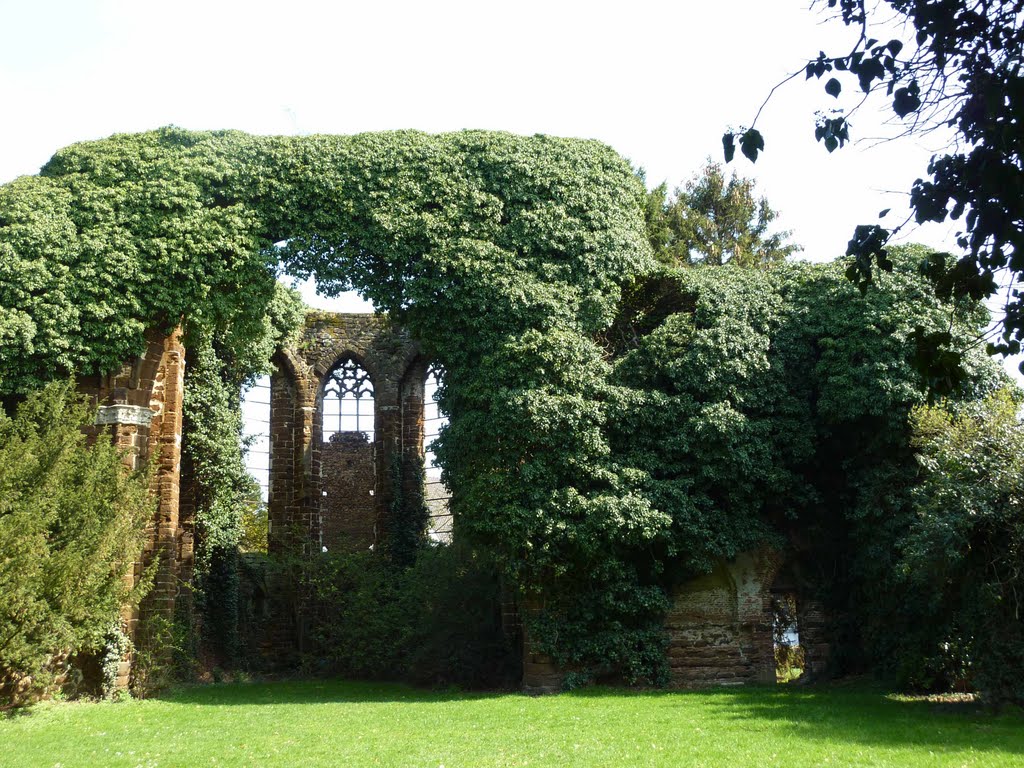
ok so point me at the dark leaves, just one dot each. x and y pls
(833, 131)
(940, 366)
(933, 266)
(866, 246)
(833, 88)
(751, 142)
(729, 146)
(906, 100)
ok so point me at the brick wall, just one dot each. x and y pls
(336, 494)
(814, 629)
(348, 510)
(300, 469)
(140, 410)
(320, 495)
(720, 625)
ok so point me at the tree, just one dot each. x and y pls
(714, 220)
(72, 521)
(959, 69)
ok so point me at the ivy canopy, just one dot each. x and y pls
(614, 428)
(474, 232)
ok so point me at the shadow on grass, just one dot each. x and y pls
(305, 691)
(859, 714)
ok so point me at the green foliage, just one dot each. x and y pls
(773, 408)
(606, 628)
(731, 410)
(789, 663)
(960, 567)
(71, 525)
(437, 622)
(502, 254)
(714, 221)
(614, 428)
(956, 67)
(223, 492)
(117, 648)
(407, 532)
(696, 418)
(254, 527)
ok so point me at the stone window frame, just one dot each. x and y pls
(348, 379)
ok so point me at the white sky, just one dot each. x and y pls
(658, 81)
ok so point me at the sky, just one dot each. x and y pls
(659, 82)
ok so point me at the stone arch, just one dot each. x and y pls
(411, 397)
(386, 353)
(322, 369)
(375, 243)
(437, 495)
(321, 372)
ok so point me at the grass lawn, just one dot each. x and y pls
(328, 723)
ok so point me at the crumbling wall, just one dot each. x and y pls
(323, 494)
(719, 629)
(337, 494)
(140, 410)
(720, 625)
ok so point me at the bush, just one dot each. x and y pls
(437, 622)
(71, 524)
(960, 572)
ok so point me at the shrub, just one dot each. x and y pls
(960, 570)
(71, 524)
(437, 622)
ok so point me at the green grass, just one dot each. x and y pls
(353, 724)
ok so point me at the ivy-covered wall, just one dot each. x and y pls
(615, 430)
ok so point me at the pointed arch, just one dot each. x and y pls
(347, 401)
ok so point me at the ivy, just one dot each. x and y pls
(220, 487)
(614, 428)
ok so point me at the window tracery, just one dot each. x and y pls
(348, 402)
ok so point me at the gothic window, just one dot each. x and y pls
(348, 401)
(437, 495)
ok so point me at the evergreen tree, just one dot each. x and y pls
(715, 220)
(72, 522)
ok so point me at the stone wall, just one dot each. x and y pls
(347, 508)
(338, 494)
(719, 628)
(303, 468)
(140, 410)
(720, 625)
(813, 627)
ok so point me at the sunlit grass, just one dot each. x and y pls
(329, 723)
